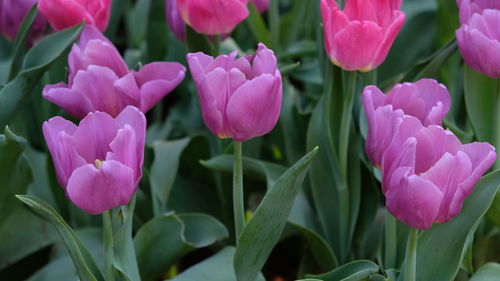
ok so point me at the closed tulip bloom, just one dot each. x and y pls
(213, 17)
(425, 99)
(427, 173)
(360, 36)
(62, 14)
(12, 14)
(99, 79)
(261, 5)
(99, 162)
(240, 97)
(174, 19)
(478, 37)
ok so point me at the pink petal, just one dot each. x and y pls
(72, 101)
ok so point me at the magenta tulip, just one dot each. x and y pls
(12, 13)
(261, 5)
(240, 98)
(360, 36)
(478, 38)
(174, 19)
(99, 79)
(213, 17)
(427, 173)
(426, 100)
(99, 162)
(62, 14)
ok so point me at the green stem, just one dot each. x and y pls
(390, 241)
(497, 124)
(108, 245)
(411, 256)
(238, 204)
(345, 124)
(216, 45)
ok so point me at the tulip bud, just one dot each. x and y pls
(174, 19)
(12, 14)
(99, 162)
(99, 79)
(425, 99)
(360, 36)
(213, 17)
(62, 14)
(240, 98)
(477, 39)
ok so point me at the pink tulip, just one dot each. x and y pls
(240, 98)
(427, 173)
(213, 17)
(426, 100)
(62, 14)
(99, 79)
(360, 37)
(478, 39)
(174, 19)
(99, 162)
(261, 5)
(12, 13)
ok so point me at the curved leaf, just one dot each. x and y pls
(487, 272)
(353, 271)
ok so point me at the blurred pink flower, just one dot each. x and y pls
(99, 162)
(99, 79)
(261, 5)
(360, 36)
(240, 98)
(12, 13)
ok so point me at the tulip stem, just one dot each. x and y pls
(497, 125)
(411, 256)
(108, 245)
(390, 233)
(238, 201)
(345, 124)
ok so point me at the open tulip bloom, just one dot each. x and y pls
(99, 79)
(99, 162)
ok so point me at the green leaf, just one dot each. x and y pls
(197, 42)
(442, 247)
(487, 272)
(20, 47)
(83, 261)
(216, 268)
(137, 23)
(257, 25)
(36, 62)
(264, 228)
(164, 170)
(354, 271)
(166, 238)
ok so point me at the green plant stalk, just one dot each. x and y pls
(390, 242)
(216, 41)
(108, 245)
(411, 256)
(238, 202)
(497, 125)
(345, 124)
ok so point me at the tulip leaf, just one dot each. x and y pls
(36, 62)
(164, 170)
(216, 268)
(257, 25)
(442, 247)
(166, 238)
(21, 40)
(264, 228)
(83, 261)
(354, 271)
(487, 272)
(137, 23)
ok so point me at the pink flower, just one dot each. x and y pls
(174, 19)
(213, 16)
(12, 13)
(478, 38)
(240, 98)
(360, 37)
(261, 5)
(99, 162)
(99, 79)
(425, 99)
(62, 14)
(427, 173)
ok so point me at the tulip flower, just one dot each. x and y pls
(62, 14)
(427, 173)
(12, 13)
(360, 36)
(99, 79)
(240, 98)
(213, 17)
(174, 19)
(261, 5)
(425, 99)
(99, 162)
(477, 38)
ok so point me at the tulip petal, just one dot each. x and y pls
(72, 101)
(97, 190)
